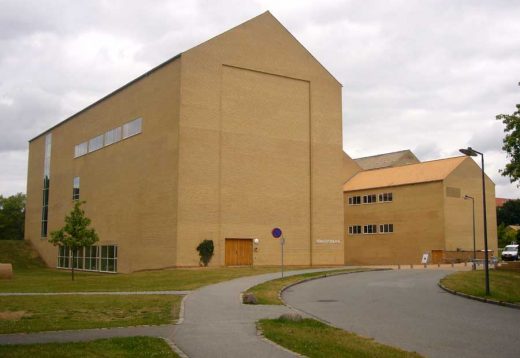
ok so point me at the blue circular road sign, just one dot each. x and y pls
(277, 232)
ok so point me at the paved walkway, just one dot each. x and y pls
(407, 309)
(215, 323)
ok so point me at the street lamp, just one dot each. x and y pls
(473, 153)
(466, 197)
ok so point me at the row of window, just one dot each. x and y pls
(93, 258)
(370, 198)
(371, 229)
(110, 137)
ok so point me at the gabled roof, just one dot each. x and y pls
(387, 160)
(431, 171)
(178, 56)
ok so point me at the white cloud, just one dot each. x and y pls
(429, 75)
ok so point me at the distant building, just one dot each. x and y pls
(387, 160)
(395, 214)
(501, 201)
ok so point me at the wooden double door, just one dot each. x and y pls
(239, 252)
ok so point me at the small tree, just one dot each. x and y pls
(75, 234)
(205, 250)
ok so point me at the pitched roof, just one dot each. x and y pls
(501, 201)
(434, 170)
(178, 56)
(387, 159)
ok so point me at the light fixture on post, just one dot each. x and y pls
(466, 197)
(473, 153)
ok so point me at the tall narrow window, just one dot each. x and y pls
(46, 183)
(75, 188)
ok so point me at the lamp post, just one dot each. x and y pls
(466, 197)
(473, 153)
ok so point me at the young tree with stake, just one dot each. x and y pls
(76, 233)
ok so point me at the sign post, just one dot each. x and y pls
(277, 233)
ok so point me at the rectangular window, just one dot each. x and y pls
(46, 184)
(370, 229)
(354, 229)
(386, 228)
(385, 197)
(354, 200)
(113, 136)
(132, 128)
(91, 258)
(63, 257)
(95, 143)
(369, 199)
(75, 188)
(108, 258)
(80, 149)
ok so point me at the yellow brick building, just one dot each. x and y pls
(225, 141)
(396, 213)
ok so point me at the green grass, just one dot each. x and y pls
(113, 347)
(48, 313)
(53, 280)
(504, 285)
(20, 254)
(267, 293)
(315, 339)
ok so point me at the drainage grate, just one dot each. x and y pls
(327, 301)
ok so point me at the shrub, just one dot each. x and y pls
(249, 298)
(205, 250)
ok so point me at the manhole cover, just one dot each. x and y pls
(327, 300)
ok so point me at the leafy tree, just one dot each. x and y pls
(76, 233)
(12, 217)
(506, 235)
(205, 250)
(509, 213)
(512, 144)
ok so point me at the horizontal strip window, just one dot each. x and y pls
(93, 258)
(111, 136)
(132, 128)
(386, 197)
(386, 228)
(354, 200)
(95, 143)
(369, 199)
(354, 230)
(370, 229)
(80, 149)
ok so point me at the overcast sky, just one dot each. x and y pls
(429, 76)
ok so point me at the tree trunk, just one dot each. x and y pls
(72, 263)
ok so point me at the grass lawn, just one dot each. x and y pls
(48, 313)
(113, 347)
(31, 275)
(315, 339)
(267, 293)
(504, 285)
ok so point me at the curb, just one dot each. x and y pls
(481, 299)
(260, 333)
(175, 348)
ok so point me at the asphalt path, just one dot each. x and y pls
(406, 309)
